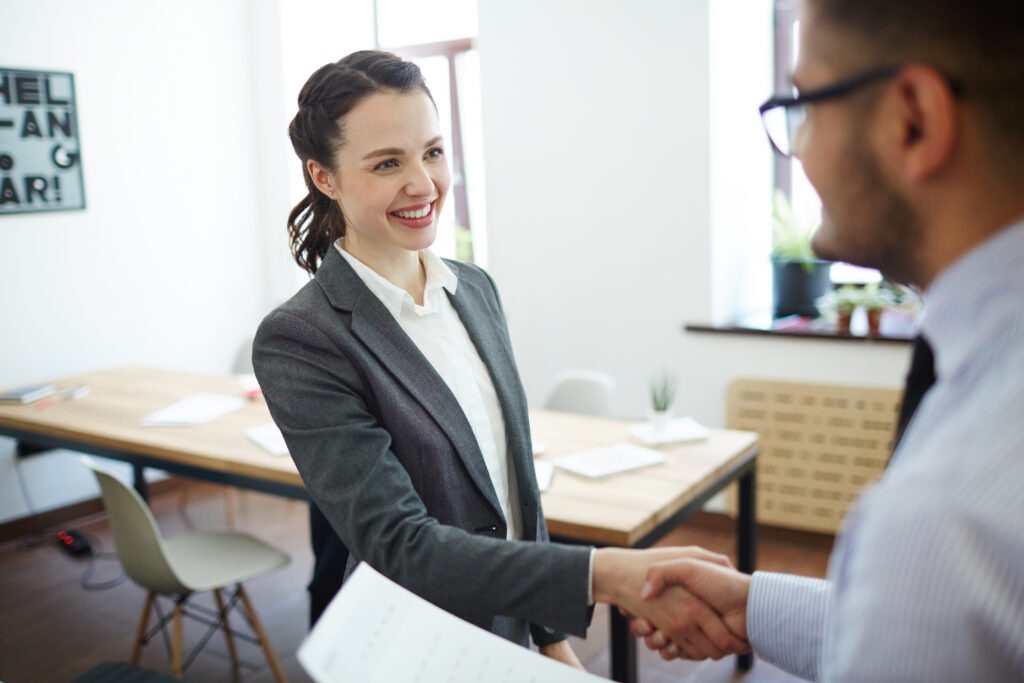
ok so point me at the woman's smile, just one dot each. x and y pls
(417, 217)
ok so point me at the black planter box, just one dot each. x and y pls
(797, 286)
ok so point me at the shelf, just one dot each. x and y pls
(799, 327)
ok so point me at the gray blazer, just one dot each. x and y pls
(389, 456)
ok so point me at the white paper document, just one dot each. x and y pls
(268, 436)
(545, 471)
(679, 429)
(600, 462)
(194, 410)
(375, 631)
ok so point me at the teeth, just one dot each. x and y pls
(414, 214)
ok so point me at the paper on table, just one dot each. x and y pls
(601, 462)
(545, 470)
(193, 410)
(268, 436)
(376, 631)
(28, 394)
(679, 429)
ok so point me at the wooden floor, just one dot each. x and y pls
(52, 628)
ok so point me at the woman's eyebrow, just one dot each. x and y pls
(385, 152)
(396, 151)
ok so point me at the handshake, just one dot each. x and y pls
(685, 602)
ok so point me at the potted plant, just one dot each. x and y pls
(842, 301)
(799, 278)
(663, 395)
(839, 304)
(875, 300)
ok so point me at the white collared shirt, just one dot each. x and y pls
(437, 331)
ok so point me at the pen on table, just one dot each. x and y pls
(43, 403)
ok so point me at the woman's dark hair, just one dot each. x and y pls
(317, 133)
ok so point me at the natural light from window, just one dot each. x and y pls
(807, 205)
(437, 36)
(414, 22)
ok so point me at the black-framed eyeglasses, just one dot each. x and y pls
(782, 115)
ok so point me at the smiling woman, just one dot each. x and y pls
(390, 179)
(391, 377)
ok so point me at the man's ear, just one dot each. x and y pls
(928, 121)
(322, 178)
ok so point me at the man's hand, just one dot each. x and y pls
(562, 652)
(620, 575)
(693, 587)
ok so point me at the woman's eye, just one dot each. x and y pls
(435, 153)
(386, 165)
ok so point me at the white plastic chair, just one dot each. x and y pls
(590, 392)
(181, 566)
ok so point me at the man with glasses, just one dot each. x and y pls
(908, 117)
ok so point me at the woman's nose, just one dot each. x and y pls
(420, 182)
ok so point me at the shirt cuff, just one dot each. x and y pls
(590, 578)
(786, 621)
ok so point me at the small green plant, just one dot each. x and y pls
(876, 298)
(791, 239)
(663, 391)
(463, 244)
(840, 301)
(845, 299)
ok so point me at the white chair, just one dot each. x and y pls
(181, 566)
(243, 358)
(590, 392)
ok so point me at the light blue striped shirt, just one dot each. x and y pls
(926, 582)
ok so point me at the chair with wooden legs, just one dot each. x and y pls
(183, 566)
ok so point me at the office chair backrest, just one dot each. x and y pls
(136, 534)
(582, 391)
(243, 358)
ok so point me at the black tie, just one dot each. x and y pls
(920, 379)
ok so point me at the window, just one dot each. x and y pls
(438, 36)
(789, 173)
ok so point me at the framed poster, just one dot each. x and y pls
(40, 156)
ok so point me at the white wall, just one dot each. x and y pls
(183, 110)
(163, 267)
(159, 268)
(609, 159)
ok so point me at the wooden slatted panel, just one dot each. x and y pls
(821, 444)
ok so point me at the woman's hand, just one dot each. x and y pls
(562, 652)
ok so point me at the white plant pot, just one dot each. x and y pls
(660, 419)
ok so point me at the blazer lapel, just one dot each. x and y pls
(487, 332)
(382, 336)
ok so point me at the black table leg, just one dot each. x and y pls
(746, 540)
(139, 481)
(623, 646)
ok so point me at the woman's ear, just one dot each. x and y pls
(929, 120)
(322, 178)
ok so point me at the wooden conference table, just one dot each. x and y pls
(630, 509)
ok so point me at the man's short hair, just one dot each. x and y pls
(977, 44)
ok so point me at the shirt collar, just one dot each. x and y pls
(963, 298)
(439, 276)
